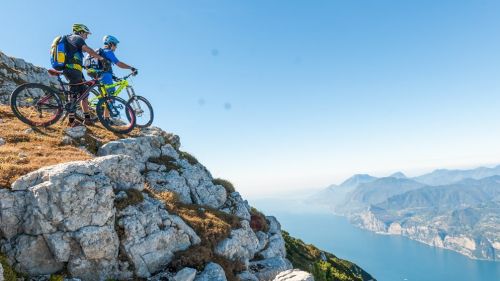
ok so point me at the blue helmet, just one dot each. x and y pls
(110, 39)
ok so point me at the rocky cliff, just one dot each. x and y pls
(122, 207)
(462, 215)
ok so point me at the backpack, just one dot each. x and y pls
(59, 53)
(90, 62)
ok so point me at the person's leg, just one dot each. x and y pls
(106, 80)
(74, 77)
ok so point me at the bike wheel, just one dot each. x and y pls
(93, 99)
(115, 115)
(143, 111)
(36, 104)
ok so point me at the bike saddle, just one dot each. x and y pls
(54, 72)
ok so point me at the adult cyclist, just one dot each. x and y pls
(73, 69)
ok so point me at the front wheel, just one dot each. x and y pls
(143, 111)
(36, 104)
(115, 115)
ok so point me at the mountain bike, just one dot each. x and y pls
(142, 107)
(39, 105)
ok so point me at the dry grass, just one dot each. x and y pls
(27, 152)
(211, 225)
(190, 158)
(134, 197)
(167, 161)
(258, 221)
(226, 184)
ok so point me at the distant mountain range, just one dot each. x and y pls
(453, 209)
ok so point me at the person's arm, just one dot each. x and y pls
(126, 66)
(123, 65)
(91, 52)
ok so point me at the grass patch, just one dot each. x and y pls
(190, 158)
(8, 273)
(167, 161)
(133, 197)
(258, 221)
(211, 225)
(42, 147)
(225, 183)
(323, 265)
(56, 277)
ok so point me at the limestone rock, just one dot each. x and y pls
(2, 141)
(76, 132)
(247, 276)
(275, 247)
(241, 245)
(267, 269)
(212, 272)
(152, 236)
(171, 181)
(140, 148)
(274, 225)
(34, 257)
(294, 275)
(235, 205)
(186, 274)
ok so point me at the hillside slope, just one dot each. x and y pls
(88, 204)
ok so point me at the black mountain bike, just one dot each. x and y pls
(39, 105)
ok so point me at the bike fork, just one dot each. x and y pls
(131, 95)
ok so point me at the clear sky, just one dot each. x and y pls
(283, 95)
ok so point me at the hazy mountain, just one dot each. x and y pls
(464, 216)
(398, 175)
(335, 195)
(452, 209)
(465, 193)
(377, 191)
(444, 176)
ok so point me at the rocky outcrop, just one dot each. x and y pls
(15, 71)
(294, 275)
(212, 272)
(432, 232)
(152, 236)
(64, 216)
(191, 181)
(268, 269)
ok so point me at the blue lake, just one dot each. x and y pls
(387, 258)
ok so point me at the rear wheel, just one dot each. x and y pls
(36, 104)
(143, 111)
(115, 115)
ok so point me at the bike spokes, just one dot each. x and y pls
(143, 111)
(115, 115)
(36, 105)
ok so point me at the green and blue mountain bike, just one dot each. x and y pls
(141, 106)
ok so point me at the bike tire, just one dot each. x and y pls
(24, 102)
(146, 106)
(112, 104)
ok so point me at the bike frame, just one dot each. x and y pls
(90, 85)
(121, 84)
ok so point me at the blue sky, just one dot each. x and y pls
(284, 95)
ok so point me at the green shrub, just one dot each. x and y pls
(8, 273)
(190, 158)
(226, 184)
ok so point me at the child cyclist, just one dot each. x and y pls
(96, 68)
